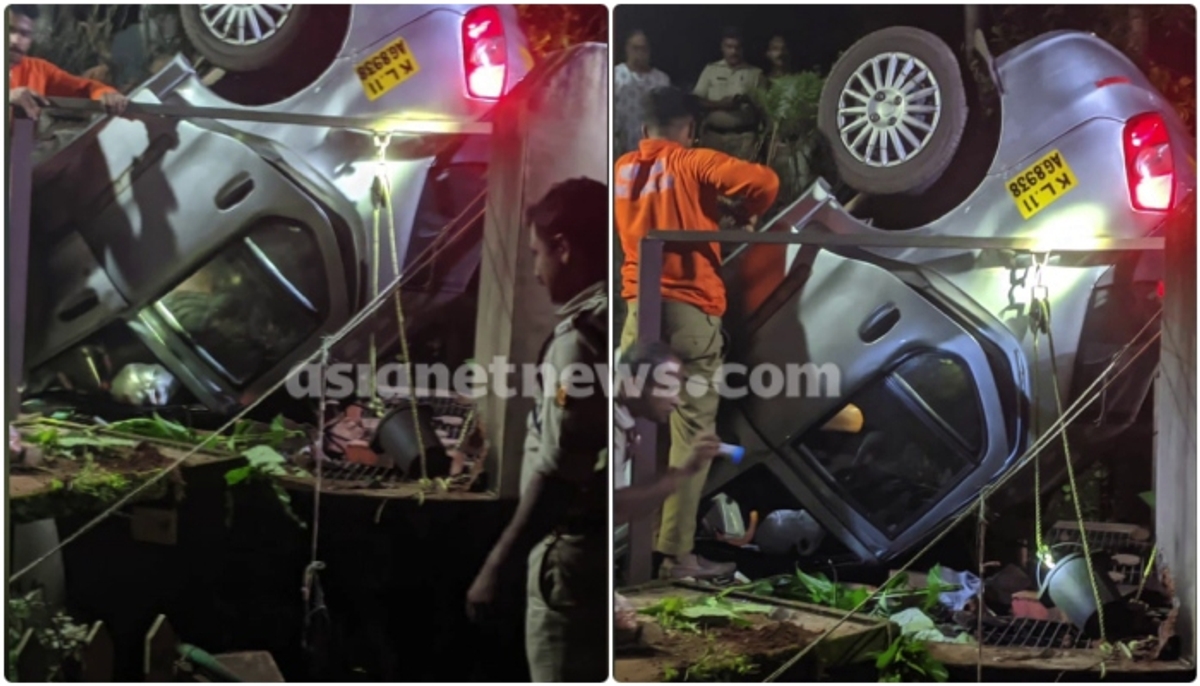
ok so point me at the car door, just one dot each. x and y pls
(936, 383)
(225, 268)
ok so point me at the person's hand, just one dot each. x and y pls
(29, 101)
(114, 103)
(481, 596)
(727, 104)
(750, 224)
(704, 448)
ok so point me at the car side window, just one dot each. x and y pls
(254, 303)
(921, 434)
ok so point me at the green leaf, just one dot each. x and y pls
(939, 672)
(819, 587)
(934, 587)
(888, 656)
(45, 437)
(1148, 498)
(154, 428)
(264, 457)
(234, 477)
(95, 442)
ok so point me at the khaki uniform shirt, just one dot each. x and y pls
(719, 80)
(567, 431)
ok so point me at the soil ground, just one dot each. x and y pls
(766, 644)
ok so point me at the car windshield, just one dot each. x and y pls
(921, 433)
(254, 303)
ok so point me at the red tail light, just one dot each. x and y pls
(485, 58)
(1149, 164)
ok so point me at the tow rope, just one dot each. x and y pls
(1040, 324)
(381, 199)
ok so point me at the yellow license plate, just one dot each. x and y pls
(386, 69)
(1042, 183)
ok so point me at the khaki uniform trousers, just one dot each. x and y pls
(696, 338)
(567, 614)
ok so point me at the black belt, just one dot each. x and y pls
(581, 528)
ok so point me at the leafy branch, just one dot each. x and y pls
(674, 613)
(56, 632)
(906, 660)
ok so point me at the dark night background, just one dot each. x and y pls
(685, 38)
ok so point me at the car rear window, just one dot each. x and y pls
(251, 306)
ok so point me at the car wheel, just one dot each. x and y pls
(893, 111)
(241, 38)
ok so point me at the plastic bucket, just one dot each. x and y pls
(396, 438)
(1066, 586)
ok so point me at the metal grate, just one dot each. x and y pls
(451, 418)
(1015, 632)
(1023, 632)
(341, 470)
(1114, 539)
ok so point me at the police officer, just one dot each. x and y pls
(562, 519)
(725, 88)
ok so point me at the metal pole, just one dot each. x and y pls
(822, 239)
(394, 125)
(20, 197)
(649, 328)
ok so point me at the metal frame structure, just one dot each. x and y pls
(817, 206)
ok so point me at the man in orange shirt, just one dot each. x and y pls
(667, 184)
(31, 80)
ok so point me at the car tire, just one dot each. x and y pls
(268, 52)
(942, 110)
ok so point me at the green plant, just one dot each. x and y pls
(246, 432)
(674, 613)
(98, 483)
(907, 660)
(155, 427)
(57, 633)
(717, 664)
(935, 586)
(819, 590)
(263, 463)
(55, 443)
(790, 103)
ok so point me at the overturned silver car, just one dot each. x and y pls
(943, 354)
(197, 261)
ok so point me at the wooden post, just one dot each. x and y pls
(31, 660)
(161, 652)
(97, 657)
(1175, 408)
